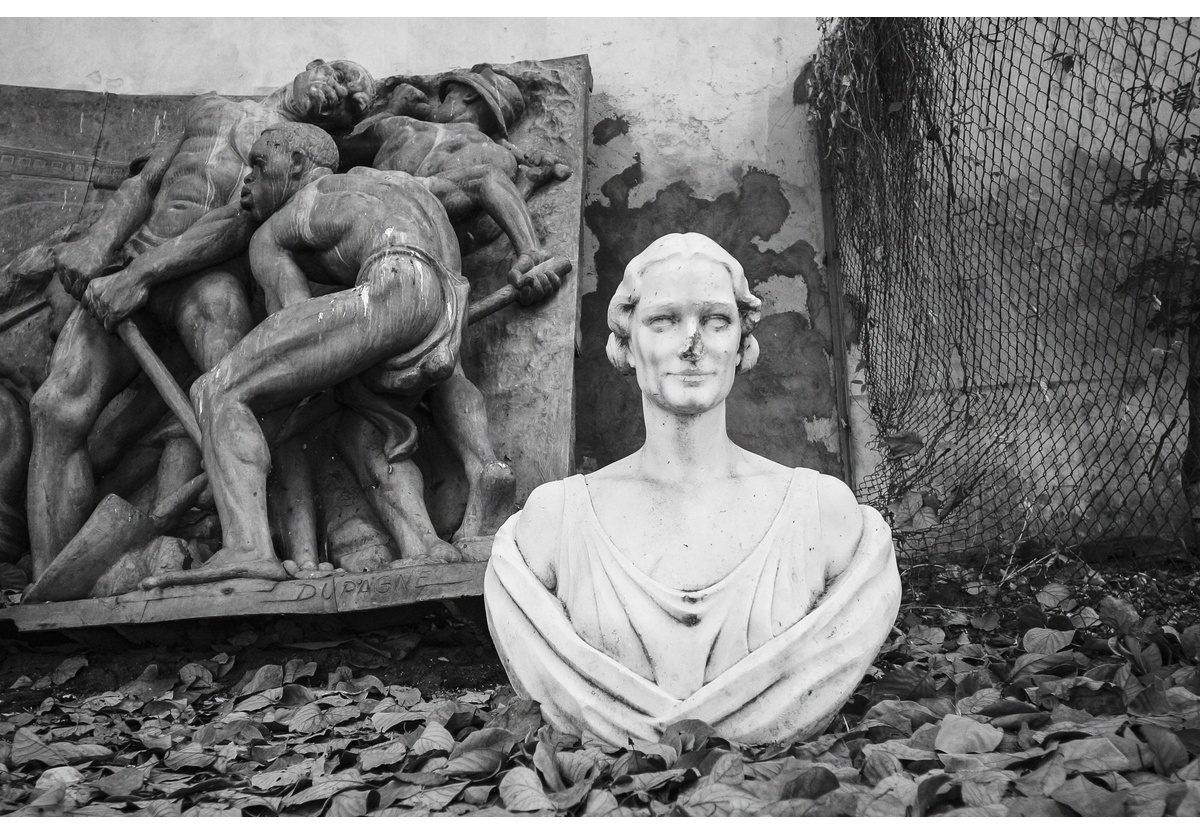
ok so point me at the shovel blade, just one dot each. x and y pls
(115, 528)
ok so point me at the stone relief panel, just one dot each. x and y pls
(63, 155)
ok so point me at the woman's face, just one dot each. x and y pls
(685, 335)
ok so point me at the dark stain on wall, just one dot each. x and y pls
(792, 382)
(608, 129)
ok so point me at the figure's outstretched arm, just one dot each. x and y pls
(219, 235)
(487, 187)
(82, 259)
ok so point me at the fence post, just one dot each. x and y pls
(837, 321)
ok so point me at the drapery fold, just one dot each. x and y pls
(788, 688)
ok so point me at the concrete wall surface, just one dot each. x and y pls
(692, 128)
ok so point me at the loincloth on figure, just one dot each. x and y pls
(433, 360)
(379, 392)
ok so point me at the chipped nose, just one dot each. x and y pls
(693, 347)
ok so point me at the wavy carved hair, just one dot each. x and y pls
(687, 246)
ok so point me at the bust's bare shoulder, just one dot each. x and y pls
(841, 523)
(538, 528)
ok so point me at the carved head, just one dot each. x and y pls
(284, 159)
(681, 319)
(333, 94)
(480, 95)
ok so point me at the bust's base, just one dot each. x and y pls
(400, 585)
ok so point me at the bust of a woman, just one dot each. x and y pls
(692, 579)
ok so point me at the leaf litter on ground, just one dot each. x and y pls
(960, 715)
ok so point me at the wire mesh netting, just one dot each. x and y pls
(1016, 208)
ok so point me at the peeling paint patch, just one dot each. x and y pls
(783, 294)
(822, 430)
(608, 129)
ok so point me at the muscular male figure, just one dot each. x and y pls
(386, 238)
(195, 287)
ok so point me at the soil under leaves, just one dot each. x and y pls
(1046, 707)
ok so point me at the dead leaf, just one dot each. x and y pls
(1046, 640)
(1092, 755)
(1168, 751)
(437, 798)
(27, 747)
(295, 669)
(1053, 595)
(810, 784)
(720, 799)
(521, 790)
(325, 788)
(878, 764)
(307, 719)
(123, 782)
(196, 673)
(1119, 615)
(381, 755)
(496, 739)
(433, 737)
(351, 803)
(265, 677)
(600, 804)
(1088, 799)
(67, 670)
(964, 735)
(481, 763)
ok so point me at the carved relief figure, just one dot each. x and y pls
(385, 237)
(451, 146)
(692, 579)
(194, 286)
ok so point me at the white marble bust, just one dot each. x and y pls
(692, 579)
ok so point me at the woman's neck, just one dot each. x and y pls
(683, 448)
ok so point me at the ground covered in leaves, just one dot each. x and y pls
(1058, 705)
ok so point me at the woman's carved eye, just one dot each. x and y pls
(719, 321)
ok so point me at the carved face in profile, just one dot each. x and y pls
(265, 188)
(460, 103)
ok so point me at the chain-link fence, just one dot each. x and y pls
(1016, 208)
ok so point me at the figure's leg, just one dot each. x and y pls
(459, 410)
(299, 350)
(395, 491)
(87, 369)
(294, 503)
(211, 311)
(110, 440)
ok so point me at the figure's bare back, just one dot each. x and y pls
(333, 225)
(208, 169)
(426, 149)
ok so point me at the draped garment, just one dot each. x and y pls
(768, 653)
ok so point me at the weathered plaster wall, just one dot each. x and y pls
(693, 128)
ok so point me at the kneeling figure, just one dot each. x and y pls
(693, 579)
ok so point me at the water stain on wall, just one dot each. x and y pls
(772, 408)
